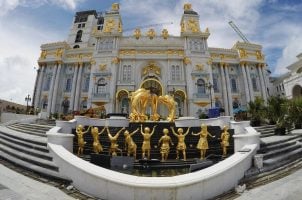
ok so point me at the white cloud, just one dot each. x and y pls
(8, 5)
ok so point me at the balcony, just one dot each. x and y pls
(100, 98)
(201, 99)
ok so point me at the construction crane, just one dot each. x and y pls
(236, 29)
(147, 26)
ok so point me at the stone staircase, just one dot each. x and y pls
(266, 131)
(26, 145)
(278, 151)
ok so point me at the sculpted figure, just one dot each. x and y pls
(165, 146)
(97, 147)
(169, 101)
(113, 140)
(81, 143)
(130, 145)
(181, 146)
(203, 140)
(146, 147)
(225, 136)
(139, 101)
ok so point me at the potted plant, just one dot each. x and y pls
(256, 110)
(295, 112)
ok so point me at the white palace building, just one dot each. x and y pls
(98, 65)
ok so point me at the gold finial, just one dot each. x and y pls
(151, 33)
(115, 7)
(137, 33)
(187, 6)
(165, 33)
(187, 60)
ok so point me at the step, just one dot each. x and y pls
(277, 146)
(29, 158)
(26, 131)
(266, 135)
(268, 141)
(29, 128)
(36, 126)
(282, 159)
(281, 151)
(38, 140)
(27, 150)
(32, 167)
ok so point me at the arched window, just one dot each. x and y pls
(65, 105)
(47, 84)
(84, 104)
(236, 104)
(201, 87)
(254, 83)
(101, 86)
(68, 85)
(233, 85)
(217, 104)
(79, 36)
(215, 84)
(76, 46)
(175, 72)
(127, 73)
(125, 105)
(86, 84)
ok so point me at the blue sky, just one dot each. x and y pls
(26, 24)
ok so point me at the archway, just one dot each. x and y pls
(153, 85)
(122, 97)
(297, 91)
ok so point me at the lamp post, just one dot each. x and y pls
(27, 99)
(209, 86)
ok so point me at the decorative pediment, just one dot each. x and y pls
(151, 68)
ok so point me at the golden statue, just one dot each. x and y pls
(151, 33)
(182, 27)
(113, 140)
(139, 100)
(165, 147)
(59, 53)
(81, 143)
(187, 6)
(146, 147)
(165, 33)
(109, 25)
(137, 33)
(169, 101)
(130, 145)
(192, 24)
(115, 7)
(97, 147)
(225, 136)
(181, 146)
(203, 140)
(120, 27)
(43, 54)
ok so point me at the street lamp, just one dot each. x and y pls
(27, 99)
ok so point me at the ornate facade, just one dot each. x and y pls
(98, 65)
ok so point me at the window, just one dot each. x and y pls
(47, 84)
(233, 85)
(215, 84)
(76, 46)
(175, 72)
(125, 105)
(65, 105)
(254, 83)
(101, 86)
(201, 88)
(79, 25)
(84, 104)
(236, 104)
(79, 36)
(126, 73)
(86, 84)
(44, 103)
(217, 104)
(68, 85)
(83, 25)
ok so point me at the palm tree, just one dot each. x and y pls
(256, 110)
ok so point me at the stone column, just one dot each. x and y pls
(50, 93)
(39, 86)
(78, 88)
(56, 85)
(73, 88)
(229, 91)
(246, 86)
(263, 88)
(264, 79)
(91, 85)
(224, 90)
(251, 89)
